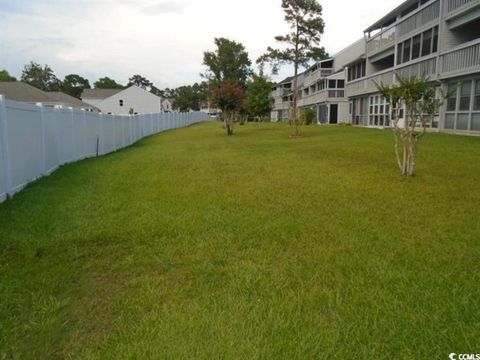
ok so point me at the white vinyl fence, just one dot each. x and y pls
(36, 140)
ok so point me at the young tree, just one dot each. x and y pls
(228, 96)
(302, 44)
(40, 77)
(140, 81)
(5, 76)
(74, 85)
(416, 98)
(259, 96)
(107, 83)
(229, 62)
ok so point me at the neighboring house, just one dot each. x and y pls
(19, 91)
(167, 105)
(96, 96)
(133, 100)
(207, 108)
(436, 38)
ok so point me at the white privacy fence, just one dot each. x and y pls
(36, 140)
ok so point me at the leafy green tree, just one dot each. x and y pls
(258, 96)
(74, 85)
(417, 97)
(5, 76)
(229, 62)
(40, 77)
(190, 97)
(307, 116)
(107, 83)
(302, 43)
(140, 81)
(228, 96)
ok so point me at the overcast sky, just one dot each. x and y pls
(162, 40)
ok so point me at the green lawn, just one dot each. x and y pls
(195, 245)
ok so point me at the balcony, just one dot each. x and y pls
(381, 41)
(367, 84)
(461, 60)
(454, 5)
(317, 75)
(321, 97)
(419, 19)
(426, 67)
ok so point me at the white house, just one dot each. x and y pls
(133, 100)
(167, 105)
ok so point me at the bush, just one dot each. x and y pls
(307, 116)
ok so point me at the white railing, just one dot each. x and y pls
(453, 5)
(36, 140)
(463, 58)
(426, 67)
(381, 41)
(419, 18)
(367, 85)
(317, 75)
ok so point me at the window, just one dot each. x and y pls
(427, 42)
(465, 92)
(476, 100)
(416, 47)
(332, 84)
(435, 39)
(378, 111)
(450, 121)
(452, 97)
(120, 102)
(406, 50)
(356, 71)
(340, 84)
(476, 121)
(462, 122)
(399, 53)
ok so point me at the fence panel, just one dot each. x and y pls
(36, 140)
(24, 145)
(51, 140)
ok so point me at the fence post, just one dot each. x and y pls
(5, 152)
(43, 150)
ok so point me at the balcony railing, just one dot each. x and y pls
(317, 75)
(367, 84)
(453, 5)
(426, 67)
(381, 41)
(461, 59)
(419, 18)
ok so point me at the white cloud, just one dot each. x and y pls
(162, 40)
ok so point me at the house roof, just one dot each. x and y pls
(99, 94)
(389, 17)
(70, 100)
(19, 91)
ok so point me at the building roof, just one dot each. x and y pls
(388, 18)
(19, 91)
(70, 100)
(99, 94)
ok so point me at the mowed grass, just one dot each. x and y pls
(195, 245)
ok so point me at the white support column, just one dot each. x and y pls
(4, 148)
(43, 149)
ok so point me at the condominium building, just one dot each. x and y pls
(436, 38)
